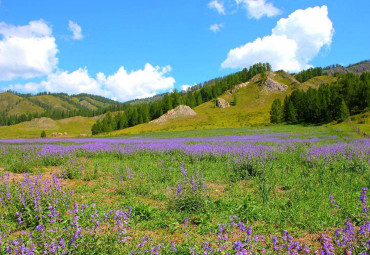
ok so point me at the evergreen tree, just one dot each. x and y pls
(43, 134)
(291, 114)
(235, 101)
(276, 111)
(343, 113)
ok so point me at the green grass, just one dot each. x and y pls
(315, 82)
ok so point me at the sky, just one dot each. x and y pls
(134, 49)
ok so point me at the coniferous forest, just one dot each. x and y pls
(337, 101)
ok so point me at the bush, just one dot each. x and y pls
(43, 134)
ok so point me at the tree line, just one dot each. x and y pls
(305, 75)
(194, 96)
(337, 101)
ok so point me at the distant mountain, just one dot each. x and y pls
(360, 67)
(16, 107)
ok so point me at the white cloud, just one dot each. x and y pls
(122, 85)
(259, 8)
(294, 42)
(216, 27)
(76, 30)
(138, 84)
(185, 87)
(218, 6)
(27, 51)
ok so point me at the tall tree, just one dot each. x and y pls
(343, 113)
(291, 114)
(276, 111)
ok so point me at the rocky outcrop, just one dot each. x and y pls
(222, 103)
(179, 111)
(42, 123)
(274, 85)
(237, 87)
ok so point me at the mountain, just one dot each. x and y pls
(360, 67)
(252, 106)
(16, 108)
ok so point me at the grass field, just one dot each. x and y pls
(274, 190)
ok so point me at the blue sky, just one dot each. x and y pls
(132, 49)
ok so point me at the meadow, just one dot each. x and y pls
(286, 190)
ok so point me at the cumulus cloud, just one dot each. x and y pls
(122, 85)
(218, 6)
(258, 8)
(216, 27)
(76, 30)
(27, 51)
(294, 42)
(138, 84)
(185, 87)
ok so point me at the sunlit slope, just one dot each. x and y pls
(18, 104)
(315, 82)
(74, 127)
(24, 106)
(253, 103)
(359, 122)
(8, 100)
(54, 103)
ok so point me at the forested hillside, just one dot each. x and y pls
(196, 95)
(337, 101)
(16, 107)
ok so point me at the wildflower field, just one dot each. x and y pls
(266, 193)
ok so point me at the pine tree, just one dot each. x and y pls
(235, 101)
(43, 134)
(291, 114)
(343, 113)
(276, 111)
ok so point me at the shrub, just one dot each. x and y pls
(190, 193)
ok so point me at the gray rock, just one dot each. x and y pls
(274, 85)
(222, 103)
(237, 87)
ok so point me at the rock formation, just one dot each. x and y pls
(179, 111)
(222, 103)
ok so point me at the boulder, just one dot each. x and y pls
(222, 103)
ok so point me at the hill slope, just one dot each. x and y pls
(252, 108)
(16, 108)
(73, 127)
(363, 66)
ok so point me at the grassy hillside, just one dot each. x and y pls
(24, 106)
(8, 100)
(363, 66)
(54, 103)
(252, 109)
(16, 108)
(74, 127)
(315, 82)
